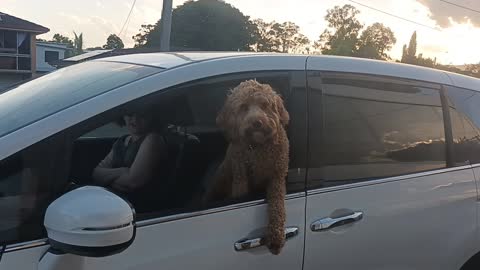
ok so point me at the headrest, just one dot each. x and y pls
(175, 111)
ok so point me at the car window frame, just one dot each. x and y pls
(447, 128)
(74, 131)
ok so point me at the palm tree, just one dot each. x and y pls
(78, 43)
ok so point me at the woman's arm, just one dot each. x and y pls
(150, 154)
(104, 174)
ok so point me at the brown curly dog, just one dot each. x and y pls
(254, 120)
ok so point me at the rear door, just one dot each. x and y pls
(384, 189)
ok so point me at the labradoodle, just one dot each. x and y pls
(254, 120)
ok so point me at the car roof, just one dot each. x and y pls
(168, 60)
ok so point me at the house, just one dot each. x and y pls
(17, 49)
(49, 52)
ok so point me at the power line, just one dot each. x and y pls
(398, 17)
(460, 6)
(128, 18)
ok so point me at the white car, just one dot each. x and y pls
(384, 166)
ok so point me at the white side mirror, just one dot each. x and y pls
(90, 221)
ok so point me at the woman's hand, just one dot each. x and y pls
(106, 176)
(150, 154)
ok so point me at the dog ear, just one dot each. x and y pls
(282, 112)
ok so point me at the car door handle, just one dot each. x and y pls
(330, 222)
(247, 243)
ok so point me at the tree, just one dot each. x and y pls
(426, 62)
(291, 40)
(113, 42)
(342, 36)
(408, 54)
(145, 34)
(62, 39)
(77, 43)
(280, 37)
(204, 25)
(375, 41)
(412, 45)
(404, 53)
(265, 39)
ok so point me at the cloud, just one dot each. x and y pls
(445, 14)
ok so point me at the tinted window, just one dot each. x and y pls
(465, 116)
(32, 178)
(372, 127)
(196, 146)
(29, 181)
(61, 89)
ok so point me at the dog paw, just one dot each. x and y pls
(275, 242)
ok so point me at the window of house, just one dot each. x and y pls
(24, 63)
(51, 56)
(8, 62)
(8, 41)
(24, 43)
(367, 127)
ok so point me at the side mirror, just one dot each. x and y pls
(90, 221)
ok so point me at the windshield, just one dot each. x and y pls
(63, 88)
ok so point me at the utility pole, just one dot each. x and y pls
(166, 26)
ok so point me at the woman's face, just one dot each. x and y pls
(136, 124)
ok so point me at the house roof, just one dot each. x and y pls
(55, 45)
(9, 22)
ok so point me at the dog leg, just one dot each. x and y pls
(275, 238)
(220, 186)
(240, 180)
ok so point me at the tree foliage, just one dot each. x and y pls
(279, 37)
(375, 41)
(62, 39)
(145, 34)
(113, 42)
(77, 43)
(216, 25)
(409, 53)
(341, 36)
(203, 25)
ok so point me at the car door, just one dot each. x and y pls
(384, 189)
(205, 239)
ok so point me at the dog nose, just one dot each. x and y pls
(257, 124)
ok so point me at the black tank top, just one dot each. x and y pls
(144, 199)
(124, 153)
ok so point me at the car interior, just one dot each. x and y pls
(191, 132)
(185, 139)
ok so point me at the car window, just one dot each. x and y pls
(29, 181)
(110, 130)
(192, 148)
(185, 117)
(464, 112)
(367, 127)
(63, 88)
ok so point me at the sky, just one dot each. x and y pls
(445, 31)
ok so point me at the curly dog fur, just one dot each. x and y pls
(254, 120)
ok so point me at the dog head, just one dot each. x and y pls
(253, 113)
